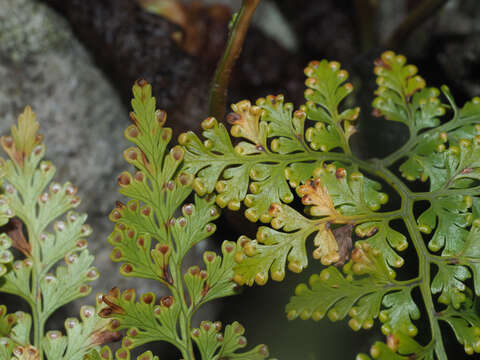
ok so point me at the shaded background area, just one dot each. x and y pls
(75, 61)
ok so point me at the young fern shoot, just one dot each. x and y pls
(54, 268)
(151, 241)
(281, 152)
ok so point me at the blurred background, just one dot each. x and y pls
(74, 62)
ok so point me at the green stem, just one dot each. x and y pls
(420, 247)
(376, 167)
(185, 315)
(38, 321)
(425, 276)
(412, 141)
(412, 283)
(345, 144)
(218, 92)
(424, 256)
(417, 17)
(408, 147)
(449, 192)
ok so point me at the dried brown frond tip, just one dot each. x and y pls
(112, 308)
(245, 119)
(316, 194)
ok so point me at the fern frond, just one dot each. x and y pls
(151, 239)
(279, 150)
(275, 150)
(39, 277)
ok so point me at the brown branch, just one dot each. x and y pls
(419, 15)
(218, 92)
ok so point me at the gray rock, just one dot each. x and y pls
(27, 28)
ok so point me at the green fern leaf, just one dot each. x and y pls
(151, 240)
(359, 297)
(18, 336)
(449, 216)
(5, 211)
(6, 321)
(20, 333)
(68, 283)
(277, 143)
(273, 248)
(6, 256)
(400, 310)
(332, 198)
(384, 239)
(80, 336)
(402, 96)
(215, 281)
(279, 148)
(331, 293)
(399, 347)
(121, 354)
(39, 203)
(469, 254)
(326, 90)
(17, 280)
(465, 322)
(145, 321)
(446, 168)
(215, 345)
(449, 281)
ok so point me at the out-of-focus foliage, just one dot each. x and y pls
(55, 266)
